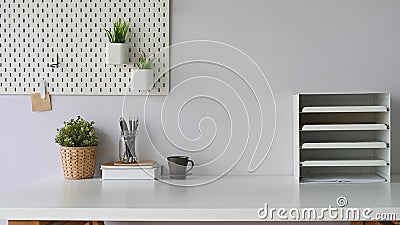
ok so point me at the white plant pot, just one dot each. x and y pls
(117, 53)
(143, 80)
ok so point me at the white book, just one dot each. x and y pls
(111, 172)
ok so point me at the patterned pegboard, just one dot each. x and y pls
(33, 32)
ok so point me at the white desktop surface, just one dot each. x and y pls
(231, 198)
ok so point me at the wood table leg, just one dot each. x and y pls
(355, 223)
(41, 222)
(375, 223)
(96, 223)
(28, 222)
(378, 223)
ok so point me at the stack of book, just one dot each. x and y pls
(139, 170)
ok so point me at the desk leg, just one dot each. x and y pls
(40, 222)
(28, 222)
(380, 222)
(356, 223)
(95, 223)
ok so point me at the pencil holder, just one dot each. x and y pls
(127, 147)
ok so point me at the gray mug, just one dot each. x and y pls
(178, 166)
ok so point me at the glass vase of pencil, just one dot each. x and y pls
(127, 142)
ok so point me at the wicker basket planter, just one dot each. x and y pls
(78, 162)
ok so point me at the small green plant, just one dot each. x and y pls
(77, 133)
(119, 32)
(144, 63)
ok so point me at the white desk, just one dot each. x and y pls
(232, 198)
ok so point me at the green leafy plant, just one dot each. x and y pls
(144, 63)
(77, 133)
(119, 32)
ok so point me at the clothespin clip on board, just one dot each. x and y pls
(41, 101)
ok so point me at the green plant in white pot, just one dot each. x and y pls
(143, 79)
(117, 51)
(78, 146)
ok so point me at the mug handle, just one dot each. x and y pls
(190, 161)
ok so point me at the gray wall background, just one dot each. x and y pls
(301, 46)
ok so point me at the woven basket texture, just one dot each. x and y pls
(78, 162)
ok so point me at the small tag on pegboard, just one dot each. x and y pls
(39, 104)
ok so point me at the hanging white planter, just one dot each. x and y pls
(143, 80)
(117, 53)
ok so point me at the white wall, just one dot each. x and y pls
(301, 46)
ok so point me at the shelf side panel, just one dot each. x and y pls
(296, 137)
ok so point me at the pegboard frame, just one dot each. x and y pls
(33, 32)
